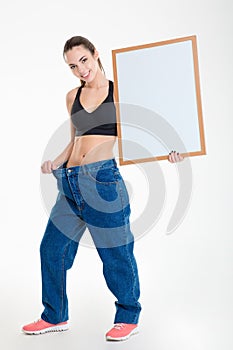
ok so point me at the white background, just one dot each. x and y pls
(186, 277)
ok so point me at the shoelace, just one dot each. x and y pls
(119, 326)
(38, 320)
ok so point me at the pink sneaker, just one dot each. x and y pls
(122, 331)
(41, 327)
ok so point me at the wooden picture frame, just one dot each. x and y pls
(158, 100)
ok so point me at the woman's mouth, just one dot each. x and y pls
(86, 75)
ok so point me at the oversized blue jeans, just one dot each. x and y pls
(92, 196)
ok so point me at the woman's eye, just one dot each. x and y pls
(72, 67)
(84, 60)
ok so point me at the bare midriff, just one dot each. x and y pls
(91, 148)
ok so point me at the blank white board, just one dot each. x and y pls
(158, 100)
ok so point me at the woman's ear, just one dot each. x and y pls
(96, 54)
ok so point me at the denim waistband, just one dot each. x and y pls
(82, 169)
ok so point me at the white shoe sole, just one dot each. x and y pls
(134, 331)
(48, 330)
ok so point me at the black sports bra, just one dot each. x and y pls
(102, 121)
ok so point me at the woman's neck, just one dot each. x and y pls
(98, 82)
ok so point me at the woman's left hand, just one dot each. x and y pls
(175, 157)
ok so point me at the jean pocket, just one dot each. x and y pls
(106, 176)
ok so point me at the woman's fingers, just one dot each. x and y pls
(54, 166)
(46, 167)
(175, 157)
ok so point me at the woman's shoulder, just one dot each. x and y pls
(72, 93)
(70, 97)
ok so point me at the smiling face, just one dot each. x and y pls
(83, 64)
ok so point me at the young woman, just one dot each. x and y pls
(92, 194)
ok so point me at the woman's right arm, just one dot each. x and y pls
(50, 165)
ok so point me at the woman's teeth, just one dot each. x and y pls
(85, 75)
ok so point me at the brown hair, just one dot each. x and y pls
(77, 41)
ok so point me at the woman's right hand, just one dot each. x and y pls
(48, 166)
